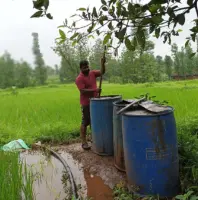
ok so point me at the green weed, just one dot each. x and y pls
(16, 181)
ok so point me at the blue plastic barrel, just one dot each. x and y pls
(117, 134)
(101, 112)
(151, 152)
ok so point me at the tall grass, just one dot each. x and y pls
(15, 180)
(53, 113)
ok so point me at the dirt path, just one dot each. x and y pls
(99, 172)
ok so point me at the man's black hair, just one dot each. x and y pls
(83, 63)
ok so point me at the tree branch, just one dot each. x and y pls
(196, 8)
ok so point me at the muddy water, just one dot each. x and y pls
(50, 184)
(47, 176)
(97, 190)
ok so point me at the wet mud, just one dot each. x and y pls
(102, 166)
(95, 176)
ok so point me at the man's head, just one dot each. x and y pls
(84, 67)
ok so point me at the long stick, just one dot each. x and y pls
(128, 106)
(100, 84)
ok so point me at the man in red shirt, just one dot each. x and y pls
(86, 83)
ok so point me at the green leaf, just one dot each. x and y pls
(194, 29)
(193, 36)
(120, 34)
(37, 14)
(170, 11)
(186, 43)
(98, 32)
(124, 12)
(107, 38)
(91, 36)
(62, 34)
(179, 30)
(179, 197)
(84, 15)
(151, 28)
(189, 2)
(157, 32)
(61, 41)
(62, 26)
(74, 36)
(104, 2)
(49, 16)
(146, 21)
(74, 24)
(192, 55)
(94, 12)
(128, 45)
(131, 8)
(157, 19)
(82, 9)
(73, 15)
(46, 4)
(89, 30)
(38, 4)
(110, 26)
(104, 8)
(118, 8)
(102, 19)
(194, 198)
(74, 43)
(181, 19)
(154, 7)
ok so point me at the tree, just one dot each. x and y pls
(70, 58)
(174, 49)
(96, 53)
(168, 65)
(115, 18)
(7, 66)
(23, 73)
(160, 68)
(56, 69)
(50, 71)
(40, 69)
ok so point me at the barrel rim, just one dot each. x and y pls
(111, 97)
(153, 115)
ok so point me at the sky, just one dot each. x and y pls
(17, 27)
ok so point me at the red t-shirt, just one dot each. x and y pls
(87, 82)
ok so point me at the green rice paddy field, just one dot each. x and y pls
(53, 112)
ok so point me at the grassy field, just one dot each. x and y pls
(53, 112)
(15, 180)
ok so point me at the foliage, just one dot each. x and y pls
(70, 58)
(114, 18)
(168, 62)
(16, 182)
(23, 74)
(183, 63)
(18, 73)
(40, 70)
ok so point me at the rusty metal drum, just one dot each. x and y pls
(151, 152)
(101, 112)
(117, 134)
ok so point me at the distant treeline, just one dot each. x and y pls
(139, 66)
